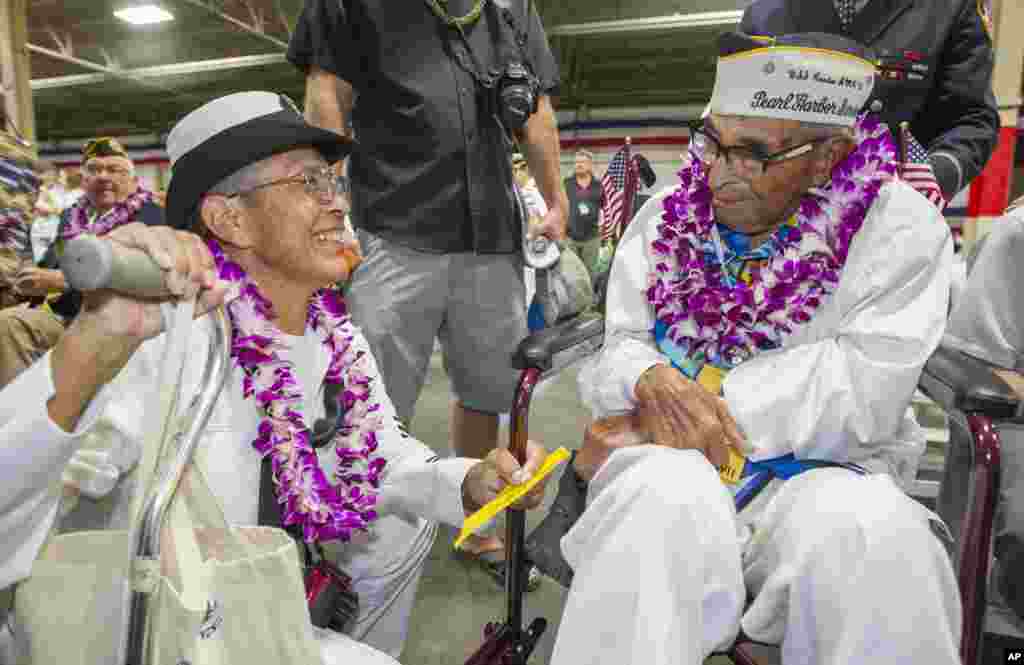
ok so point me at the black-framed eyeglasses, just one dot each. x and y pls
(708, 149)
(322, 184)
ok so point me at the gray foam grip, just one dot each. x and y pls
(90, 263)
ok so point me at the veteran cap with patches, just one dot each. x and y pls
(810, 77)
(103, 146)
(223, 136)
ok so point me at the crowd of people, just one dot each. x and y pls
(767, 319)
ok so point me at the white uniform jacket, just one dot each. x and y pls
(840, 386)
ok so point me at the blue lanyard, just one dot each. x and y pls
(784, 467)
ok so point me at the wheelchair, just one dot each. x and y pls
(975, 398)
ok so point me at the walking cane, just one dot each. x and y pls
(90, 264)
(507, 643)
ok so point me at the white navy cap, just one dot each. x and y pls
(229, 133)
(810, 77)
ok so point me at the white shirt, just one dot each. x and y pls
(988, 318)
(535, 207)
(34, 451)
(840, 386)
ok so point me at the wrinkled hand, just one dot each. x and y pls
(603, 437)
(188, 269)
(500, 469)
(110, 327)
(679, 413)
(35, 281)
(552, 226)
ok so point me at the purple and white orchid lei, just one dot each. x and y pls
(122, 213)
(323, 511)
(705, 313)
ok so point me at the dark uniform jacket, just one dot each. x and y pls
(431, 168)
(936, 63)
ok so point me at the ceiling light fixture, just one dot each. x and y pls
(144, 15)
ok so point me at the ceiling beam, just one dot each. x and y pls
(107, 71)
(163, 71)
(650, 24)
(251, 29)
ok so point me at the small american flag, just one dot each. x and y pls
(615, 183)
(917, 173)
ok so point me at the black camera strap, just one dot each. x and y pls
(269, 511)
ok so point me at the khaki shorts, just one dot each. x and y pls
(26, 334)
(474, 303)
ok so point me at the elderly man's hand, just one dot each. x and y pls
(498, 470)
(188, 270)
(679, 413)
(34, 281)
(603, 437)
(111, 327)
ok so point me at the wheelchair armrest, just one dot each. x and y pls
(957, 381)
(539, 349)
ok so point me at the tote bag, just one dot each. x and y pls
(220, 595)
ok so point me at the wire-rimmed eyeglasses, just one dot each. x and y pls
(322, 184)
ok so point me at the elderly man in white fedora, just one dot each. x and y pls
(767, 321)
(304, 435)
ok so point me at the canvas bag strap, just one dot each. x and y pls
(180, 555)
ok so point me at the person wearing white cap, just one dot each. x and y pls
(304, 435)
(767, 321)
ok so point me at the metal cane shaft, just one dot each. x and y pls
(145, 536)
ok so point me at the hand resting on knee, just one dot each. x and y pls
(673, 411)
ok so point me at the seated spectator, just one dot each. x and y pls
(112, 198)
(988, 323)
(767, 322)
(270, 212)
(19, 188)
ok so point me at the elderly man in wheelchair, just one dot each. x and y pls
(767, 322)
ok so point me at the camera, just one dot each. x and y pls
(516, 93)
(332, 601)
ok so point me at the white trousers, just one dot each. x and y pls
(843, 569)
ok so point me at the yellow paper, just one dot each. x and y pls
(509, 495)
(710, 378)
(732, 470)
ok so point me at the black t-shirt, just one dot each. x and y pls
(584, 208)
(430, 169)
